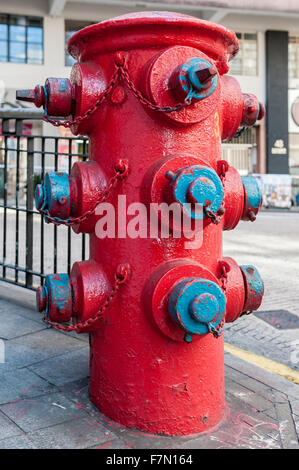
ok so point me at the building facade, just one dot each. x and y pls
(33, 37)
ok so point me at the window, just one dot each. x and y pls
(21, 39)
(72, 27)
(293, 57)
(245, 63)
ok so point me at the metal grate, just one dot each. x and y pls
(31, 249)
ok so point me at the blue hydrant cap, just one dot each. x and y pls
(196, 184)
(204, 308)
(197, 305)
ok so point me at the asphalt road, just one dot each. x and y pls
(271, 243)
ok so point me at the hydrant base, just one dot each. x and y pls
(190, 428)
(170, 398)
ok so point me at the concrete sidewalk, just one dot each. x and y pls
(44, 395)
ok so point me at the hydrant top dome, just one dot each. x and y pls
(154, 29)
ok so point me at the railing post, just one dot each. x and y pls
(29, 208)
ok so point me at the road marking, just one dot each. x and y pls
(264, 363)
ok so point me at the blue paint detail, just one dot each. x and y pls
(201, 190)
(54, 194)
(197, 184)
(254, 281)
(63, 84)
(39, 197)
(188, 338)
(190, 82)
(59, 293)
(197, 303)
(253, 193)
(204, 308)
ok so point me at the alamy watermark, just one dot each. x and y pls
(138, 220)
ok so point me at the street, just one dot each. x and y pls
(271, 243)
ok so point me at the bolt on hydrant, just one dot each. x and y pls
(150, 91)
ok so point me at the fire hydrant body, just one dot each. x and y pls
(156, 352)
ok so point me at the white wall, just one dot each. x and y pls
(256, 84)
(26, 76)
(18, 76)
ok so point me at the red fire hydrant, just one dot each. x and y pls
(150, 92)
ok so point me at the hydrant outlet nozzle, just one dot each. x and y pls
(36, 96)
(201, 77)
(56, 96)
(196, 185)
(54, 195)
(254, 288)
(252, 198)
(55, 297)
(197, 305)
(196, 77)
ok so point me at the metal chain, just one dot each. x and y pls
(223, 280)
(239, 133)
(216, 219)
(216, 332)
(121, 276)
(165, 109)
(121, 170)
(120, 73)
(212, 216)
(222, 169)
(91, 110)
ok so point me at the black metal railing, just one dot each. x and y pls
(31, 248)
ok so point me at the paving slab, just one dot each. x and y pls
(261, 376)
(46, 405)
(64, 368)
(14, 326)
(32, 414)
(247, 427)
(22, 441)
(75, 434)
(37, 347)
(244, 425)
(250, 397)
(287, 426)
(21, 383)
(7, 427)
(112, 444)
(295, 407)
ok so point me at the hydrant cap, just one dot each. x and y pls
(254, 288)
(155, 28)
(197, 305)
(55, 297)
(197, 184)
(54, 194)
